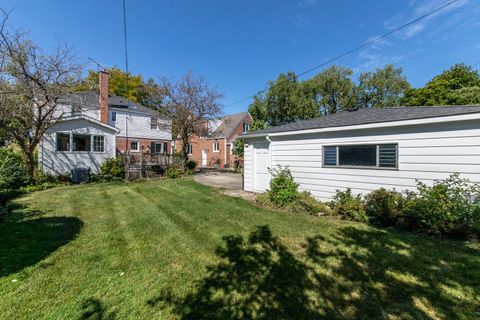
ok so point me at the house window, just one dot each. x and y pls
(189, 149)
(81, 142)
(246, 127)
(165, 147)
(63, 142)
(153, 123)
(367, 155)
(216, 146)
(134, 146)
(157, 148)
(98, 143)
(114, 116)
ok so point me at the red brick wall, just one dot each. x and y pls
(145, 144)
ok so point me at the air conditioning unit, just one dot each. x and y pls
(80, 175)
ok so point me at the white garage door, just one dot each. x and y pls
(261, 163)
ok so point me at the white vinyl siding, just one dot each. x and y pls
(248, 167)
(140, 126)
(62, 162)
(425, 152)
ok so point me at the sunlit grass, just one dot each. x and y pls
(156, 250)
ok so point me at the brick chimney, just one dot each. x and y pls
(103, 96)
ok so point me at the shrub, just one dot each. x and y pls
(348, 206)
(13, 173)
(283, 189)
(191, 165)
(386, 207)
(448, 207)
(45, 178)
(112, 169)
(306, 203)
(158, 169)
(173, 173)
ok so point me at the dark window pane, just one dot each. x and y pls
(330, 156)
(63, 142)
(387, 156)
(365, 155)
(98, 144)
(81, 142)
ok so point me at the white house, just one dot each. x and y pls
(368, 149)
(94, 126)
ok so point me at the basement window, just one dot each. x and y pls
(81, 142)
(361, 156)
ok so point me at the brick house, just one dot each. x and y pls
(216, 148)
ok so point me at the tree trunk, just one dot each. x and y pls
(30, 164)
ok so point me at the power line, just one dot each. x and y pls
(366, 44)
(125, 34)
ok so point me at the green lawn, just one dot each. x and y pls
(175, 249)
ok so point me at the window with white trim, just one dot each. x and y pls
(246, 127)
(216, 146)
(134, 146)
(98, 144)
(63, 141)
(114, 116)
(153, 123)
(189, 149)
(81, 142)
(361, 156)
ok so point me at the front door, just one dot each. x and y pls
(204, 158)
(261, 163)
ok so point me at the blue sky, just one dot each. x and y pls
(240, 45)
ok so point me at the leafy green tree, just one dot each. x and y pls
(123, 84)
(383, 88)
(333, 90)
(238, 147)
(458, 85)
(284, 101)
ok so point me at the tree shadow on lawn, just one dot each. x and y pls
(27, 238)
(93, 309)
(355, 274)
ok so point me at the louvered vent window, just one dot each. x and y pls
(361, 156)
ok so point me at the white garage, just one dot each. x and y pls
(368, 149)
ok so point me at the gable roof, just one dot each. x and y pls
(89, 99)
(90, 119)
(368, 116)
(228, 125)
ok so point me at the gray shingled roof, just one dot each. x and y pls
(366, 116)
(229, 123)
(89, 99)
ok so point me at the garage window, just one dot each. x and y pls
(361, 156)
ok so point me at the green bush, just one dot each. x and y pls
(112, 169)
(349, 207)
(283, 189)
(191, 165)
(387, 207)
(45, 178)
(13, 173)
(173, 173)
(306, 203)
(449, 207)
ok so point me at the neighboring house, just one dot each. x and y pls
(368, 149)
(215, 149)
(95, 126)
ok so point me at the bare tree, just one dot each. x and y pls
(31, 83)
(189, 103)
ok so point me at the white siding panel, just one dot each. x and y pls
(138, 126)
(58, 163)
(426, 153)
(248, 168)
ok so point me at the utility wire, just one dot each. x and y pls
(366, 44)
(125, 34)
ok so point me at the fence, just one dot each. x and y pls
(139, 165)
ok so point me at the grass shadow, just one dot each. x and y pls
(26, 237)
(356, 273)
(93, 309)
